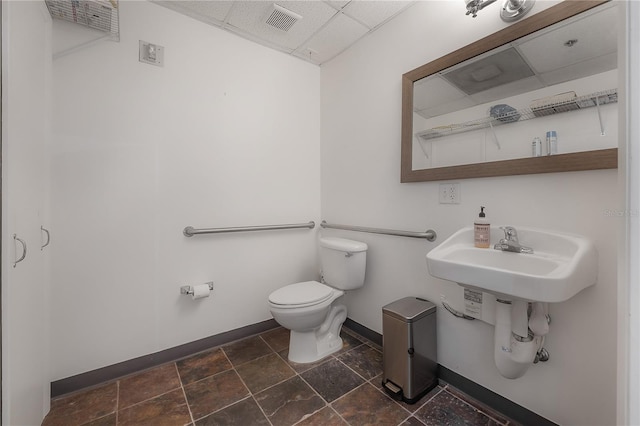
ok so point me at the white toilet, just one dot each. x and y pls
(308, 309)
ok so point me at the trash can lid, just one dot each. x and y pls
(409, 309)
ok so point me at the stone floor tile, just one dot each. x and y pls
(215, 392)
(108, 420)
(332, 379)
(446, 409)
(325, 417)
(147, 385)
(246, 350)
(263, 372)
(245, 412)
(278, 338)
(368, 406)
(412, 421)
(289, 402)
(169, 409)
(364, 360)
(83, 407)
(202, 365)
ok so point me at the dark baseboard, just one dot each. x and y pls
(112, 372)
(365, 332)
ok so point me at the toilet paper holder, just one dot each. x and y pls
(187, 289)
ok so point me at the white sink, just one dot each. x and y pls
(560, 266)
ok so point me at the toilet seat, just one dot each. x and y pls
(300, 295)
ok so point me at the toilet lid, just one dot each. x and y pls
(304, 293)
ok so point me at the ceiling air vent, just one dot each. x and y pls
(281, 18)
(100, 15)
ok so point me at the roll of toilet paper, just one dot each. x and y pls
(200, 291)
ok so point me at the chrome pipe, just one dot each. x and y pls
(190, 231)
(429, 234)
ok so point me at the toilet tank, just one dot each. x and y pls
(343, 262)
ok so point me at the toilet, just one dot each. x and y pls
(310, 309)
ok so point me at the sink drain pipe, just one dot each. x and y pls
(513, 354)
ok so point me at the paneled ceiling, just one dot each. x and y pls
(312, 30)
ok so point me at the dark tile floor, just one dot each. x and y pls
(251, 382)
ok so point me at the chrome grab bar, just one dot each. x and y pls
(429, 234)
(190, 231)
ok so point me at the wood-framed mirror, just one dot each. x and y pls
(513, 143)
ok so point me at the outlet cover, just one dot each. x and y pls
(150, 53)
(449, 193)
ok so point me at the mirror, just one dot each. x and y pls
(476, 111)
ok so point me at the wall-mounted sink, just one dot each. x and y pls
(561, 265)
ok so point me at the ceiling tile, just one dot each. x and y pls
(433, 91)
(548, 52)
(250, 16)
(338, 35)
(207, 11)
(374, 13)
(583, 69)
(445, 108)
(338, 4)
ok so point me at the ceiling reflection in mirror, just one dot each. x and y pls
(491, 108)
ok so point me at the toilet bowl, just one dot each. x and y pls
(310, 309)
(307, 309)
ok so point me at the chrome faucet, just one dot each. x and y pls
(510, 241)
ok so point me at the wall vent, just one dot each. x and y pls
(281, 18)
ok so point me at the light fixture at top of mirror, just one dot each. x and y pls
(511, 10)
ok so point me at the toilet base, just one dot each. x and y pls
(305, 348)
(310, 346)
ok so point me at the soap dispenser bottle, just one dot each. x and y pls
(481, 230)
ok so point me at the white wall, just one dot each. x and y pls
(361, 103)
(225, 134)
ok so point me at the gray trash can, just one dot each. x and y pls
(409, 348)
